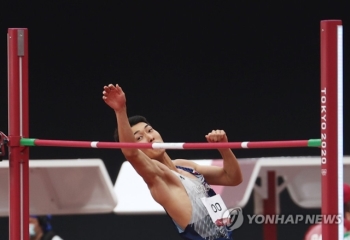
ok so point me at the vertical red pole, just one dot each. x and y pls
(18, 127)
(270, 229)
(25, 134)
(331, 126)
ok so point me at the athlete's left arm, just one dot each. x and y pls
(228, 175)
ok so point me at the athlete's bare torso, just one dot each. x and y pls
(171, 194)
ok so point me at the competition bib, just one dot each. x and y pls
(215, 206)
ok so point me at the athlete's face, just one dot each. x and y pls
(144, 133)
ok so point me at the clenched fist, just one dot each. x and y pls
(216, 136)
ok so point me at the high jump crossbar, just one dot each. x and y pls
(219, 145)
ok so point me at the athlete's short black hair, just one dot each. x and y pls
(132, 121)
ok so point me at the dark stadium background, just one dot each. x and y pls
(252, 69)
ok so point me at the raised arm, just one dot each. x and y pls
(145, 167)
(228, 175)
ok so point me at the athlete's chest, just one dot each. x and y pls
(186, 174)
(183, 171)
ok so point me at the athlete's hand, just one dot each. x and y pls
(114, 97)
(216, 136)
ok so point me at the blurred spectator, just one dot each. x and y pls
(40, 228)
